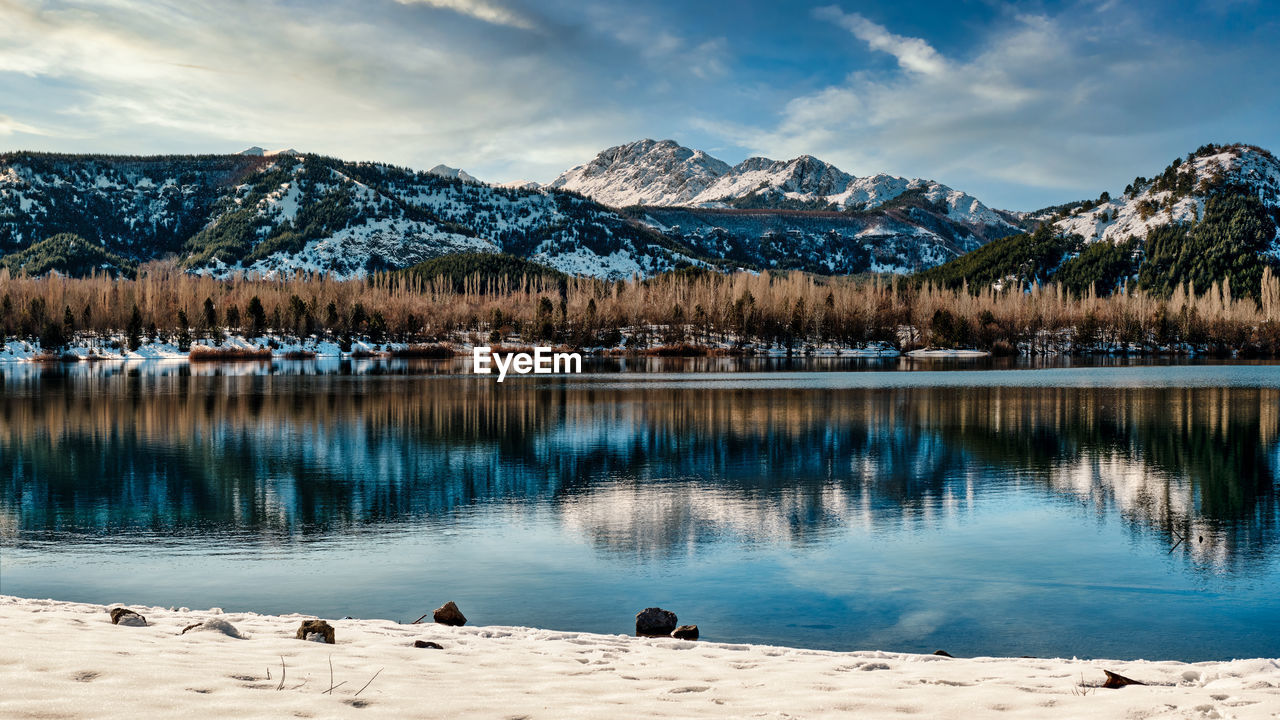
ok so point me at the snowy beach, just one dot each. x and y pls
(67, 660)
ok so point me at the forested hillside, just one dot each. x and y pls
(1211, 218)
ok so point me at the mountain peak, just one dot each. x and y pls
(664, 173)
(453, 173)
(644, 172)
(1176, 195)
(255, 151)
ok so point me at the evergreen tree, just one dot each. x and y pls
(184, 332)
(53, 337)
(257, 317)
(6, 314)
(210, 314)
(133, 332)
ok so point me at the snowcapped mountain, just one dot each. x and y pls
(284, 213)
(645, 172)
(1211, 217)
(256, 151)
(877, 223)
(445, 171)
(274, 213)
(663, 173)
(1178, 195)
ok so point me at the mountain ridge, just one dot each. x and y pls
(282, 213)
(639, 173)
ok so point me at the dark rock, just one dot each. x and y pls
(1115, 680)
(316, 630)
(127, 617)
(655, 622)
(943, 653)
(685, 632)
(449, 614)
(427, 644)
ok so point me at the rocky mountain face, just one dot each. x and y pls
(663, 173)
(282, 212)
(645, 173)
(875, 223)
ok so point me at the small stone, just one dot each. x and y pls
(217, 625)
(1116, 680)
(449, 614)
(127, 617)
(427, 644)
(316, 630)
(942, 653)
(685, 632)
(655, 622)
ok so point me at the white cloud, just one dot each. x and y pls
(480, 10)
(208, 76)
(913, 54)
(9, 126)
(373, 80)
(1075, 102)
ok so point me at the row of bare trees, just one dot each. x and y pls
(791, 309)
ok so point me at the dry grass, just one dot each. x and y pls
(206, 353)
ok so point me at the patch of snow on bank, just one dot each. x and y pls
(68, 660)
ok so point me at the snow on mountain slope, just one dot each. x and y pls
(445, 171)
(286, 213)
(666, 174)
(804, 213)
(804, 179)
(1177, 195)
(645, 172)
(256, 151)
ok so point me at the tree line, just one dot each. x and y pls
(691, 307)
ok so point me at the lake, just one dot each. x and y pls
(1120, 509)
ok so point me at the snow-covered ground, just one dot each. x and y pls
(66, 660)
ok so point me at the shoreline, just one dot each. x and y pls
(272, 347)
(67, 659)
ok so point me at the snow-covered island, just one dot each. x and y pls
(68, 660)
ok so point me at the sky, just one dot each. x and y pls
(1021, 104)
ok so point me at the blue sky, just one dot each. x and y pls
(1022, 104)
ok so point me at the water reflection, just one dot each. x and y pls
(235, 453)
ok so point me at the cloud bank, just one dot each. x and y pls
(1020, 108)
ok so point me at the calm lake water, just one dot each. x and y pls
(1126, 511)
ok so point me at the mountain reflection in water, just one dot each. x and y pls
(641, 474)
